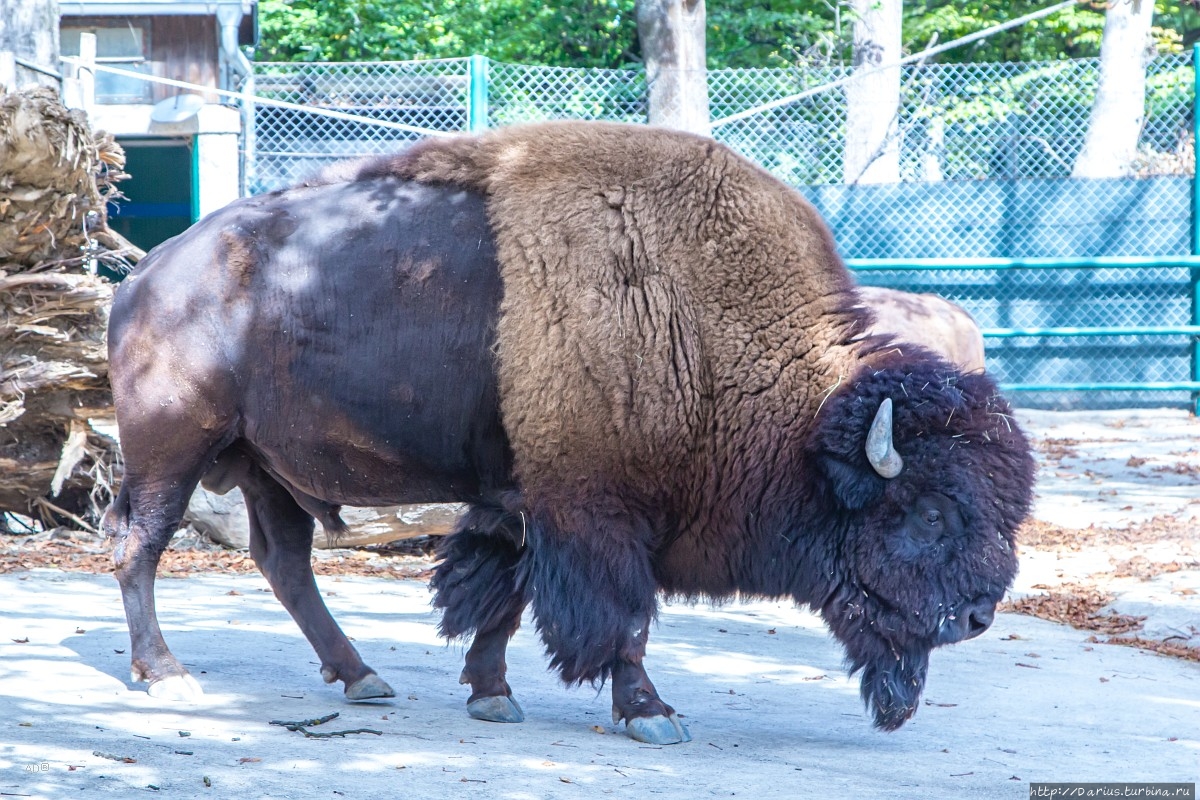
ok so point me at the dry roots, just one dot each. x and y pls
(56, 177)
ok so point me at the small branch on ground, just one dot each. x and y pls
(303, 725)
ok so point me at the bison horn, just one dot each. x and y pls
(880, 452)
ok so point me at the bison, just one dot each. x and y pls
(635, 355)
(928, 320)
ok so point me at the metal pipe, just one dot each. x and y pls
(1161, 386)
(1195, 273)
(477, 102)
(1133, 330)
(1088, 262)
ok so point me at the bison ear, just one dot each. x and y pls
(855, 488)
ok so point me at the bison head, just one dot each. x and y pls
(926, 478)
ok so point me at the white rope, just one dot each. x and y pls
(262, 101)
(932, 51)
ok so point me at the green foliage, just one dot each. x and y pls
(741, 33)
(768, 33)
(574, 33)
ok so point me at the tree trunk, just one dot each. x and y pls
(29, 30)
(872, 153)
(1110, 146)
(671, 33)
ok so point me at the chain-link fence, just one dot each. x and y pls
(290, 145)
(956, 121)
(985, 151)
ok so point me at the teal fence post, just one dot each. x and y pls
(1195, 273)
(477, 103)
(194, 152)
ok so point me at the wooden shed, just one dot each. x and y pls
(182, 144)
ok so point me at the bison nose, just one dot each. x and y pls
(966, 623)
(979, 620)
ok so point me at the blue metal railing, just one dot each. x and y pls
(1190, 262)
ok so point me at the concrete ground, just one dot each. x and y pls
(760, 684)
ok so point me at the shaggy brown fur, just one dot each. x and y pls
(678, 318)
(928, 320)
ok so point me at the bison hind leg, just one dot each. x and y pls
(141, 522)
(281, 545)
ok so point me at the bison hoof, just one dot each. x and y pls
(658, 730)
(178, 688)
(369, 687)
(496, 709)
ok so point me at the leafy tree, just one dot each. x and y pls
(772, 33)
(1072, 33)
(740, 33)
(597, 33)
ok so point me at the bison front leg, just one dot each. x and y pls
(635, 700)
(281, 545)
(478, 589)
(594, 597)
(142, 521)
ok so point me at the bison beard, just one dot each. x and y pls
(635, 355)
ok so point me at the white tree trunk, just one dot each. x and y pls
(872, 153)
(1120, 108)
(29, 30)
(671, 33)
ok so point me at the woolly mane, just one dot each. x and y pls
(691, 293)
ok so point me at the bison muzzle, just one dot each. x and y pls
(638, 359)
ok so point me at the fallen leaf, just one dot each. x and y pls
(566, 780)
(599, 729)
(233, 593)
(249, 760)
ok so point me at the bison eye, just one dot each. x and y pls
(932, 518)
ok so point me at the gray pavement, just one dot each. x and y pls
(760, 684)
